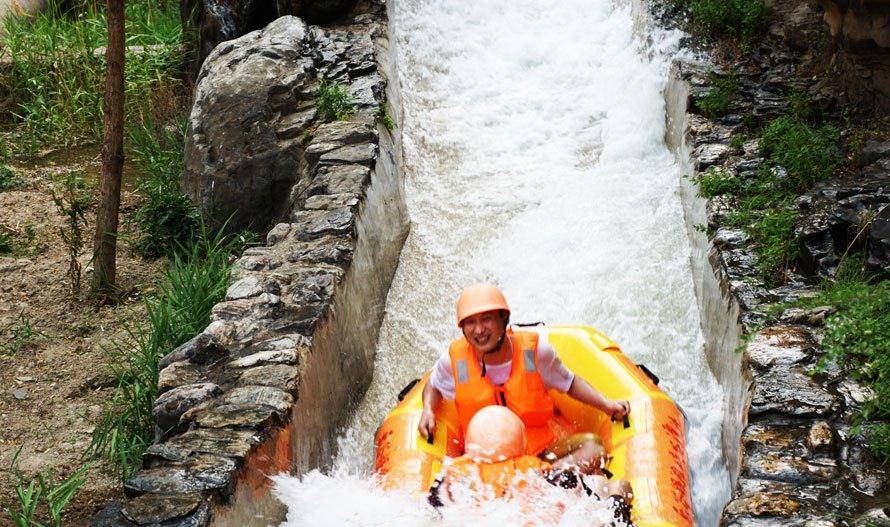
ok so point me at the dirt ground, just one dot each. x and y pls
(54, 378)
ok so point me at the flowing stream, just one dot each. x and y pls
(534, 158)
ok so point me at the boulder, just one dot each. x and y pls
(236, 163)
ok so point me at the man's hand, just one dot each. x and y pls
(618, 409)
(427, 426)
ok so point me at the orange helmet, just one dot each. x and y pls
(480, 298)
(494, 434)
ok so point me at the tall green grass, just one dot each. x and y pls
(195, 280)
(41, 500)
(55, 79)
(166, 219)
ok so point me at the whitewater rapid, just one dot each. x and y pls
(534, 158)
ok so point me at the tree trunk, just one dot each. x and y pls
(105, 241)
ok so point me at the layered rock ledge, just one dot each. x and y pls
(799, 460)
(288, 354)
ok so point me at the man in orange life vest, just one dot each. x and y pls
(492, 364)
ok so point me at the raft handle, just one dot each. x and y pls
(429, 438)
(625, 421)
(648, 372)
(407, 389)
(529, 324)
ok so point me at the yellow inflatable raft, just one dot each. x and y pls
(648, 449)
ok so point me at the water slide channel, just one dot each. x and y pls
(534, 158)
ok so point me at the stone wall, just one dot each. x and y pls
(264, 388)
(799, 460)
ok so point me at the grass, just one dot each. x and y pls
(797, 155)
(195, 280)
(716, 103)
(742, 19)
(384, 117)
(333, 102)
(41, 497)
(166, 219)
(19, 335)
(56, 77)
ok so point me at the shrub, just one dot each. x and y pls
(72, 199)
(195, 280)
(858, 336)
(166, 219)
(717, 102)
(333, 102)
(56, 75)
(745, 19)
(808, 154)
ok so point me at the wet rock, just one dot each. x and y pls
(325, 202)
(776, 345)
(251, 286)
(170, 406)
(711, 154)
(318, 223)
(329, 249)
(202, 349)
(764, 504)
(278, 233)
(262, 307)
(363, 154)
(340, 179)
(878, 242)
(726, 238)
(223, 415)
(275, 356)
(332, 136)
(111, 516)
(820, 435)
(221, 20)
(178, 374)
(855, 394)
(236, 167)
(787, 468)
(874, 151)
(314, 286)
(811, 317)
(262, 395)
(204, 473)
(790, 392)
(222, 442)
(283, 343)
(276, 375)
(149, 509)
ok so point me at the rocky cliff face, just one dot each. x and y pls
(287, 355)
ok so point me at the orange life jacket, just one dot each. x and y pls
(498, 477)
(523, 393)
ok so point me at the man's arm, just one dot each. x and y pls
(586, 393)
(431, 398)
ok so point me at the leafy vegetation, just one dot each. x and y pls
(195, 280)
(858, 336)
(743, 19)
(797, 155)
(333, 102)
(166, 219)
(717, 102)
(57, 68)
(41, 497)
(384, 117)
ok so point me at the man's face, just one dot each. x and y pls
(484, 330)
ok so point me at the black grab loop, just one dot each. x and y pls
(648, 372)
(429, 438)
(407, 389)
(529, 324)
(625, 421)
